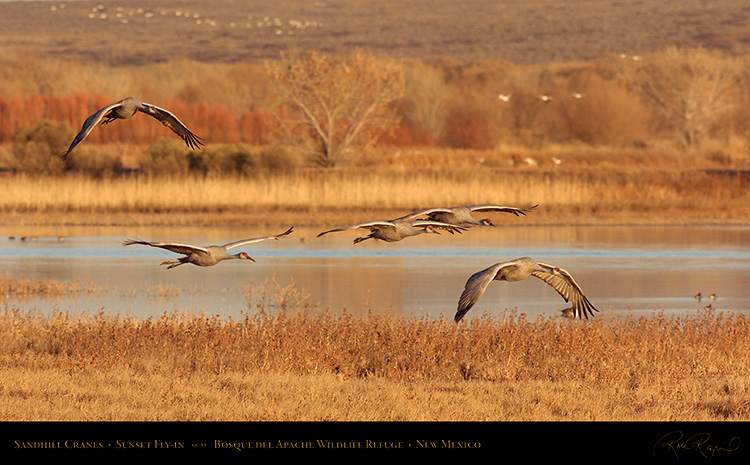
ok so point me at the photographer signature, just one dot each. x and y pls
(676, 442)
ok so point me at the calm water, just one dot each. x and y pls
(636, 270)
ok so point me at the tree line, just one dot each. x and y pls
(327, 107)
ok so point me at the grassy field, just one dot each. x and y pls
(296, 367)
(590, 187)
(138, 33)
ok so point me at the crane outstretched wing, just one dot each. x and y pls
(89, 125)
(257, 239)
(185, 249)
(171, 121)
(420, 213)
(568, 288)
(475, 287)
(502, 208)
(479, 208)
(366, 225)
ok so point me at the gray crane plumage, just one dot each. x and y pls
(205, 256)
(518, 270)
(125, 109)
(461, 216)
(393, 231)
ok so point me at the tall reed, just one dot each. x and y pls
(392, 189)
(295, 366)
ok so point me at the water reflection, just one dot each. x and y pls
(623, 270)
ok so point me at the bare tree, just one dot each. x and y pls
(333, 104)
(690, 89)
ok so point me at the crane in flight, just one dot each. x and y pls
(125, 109)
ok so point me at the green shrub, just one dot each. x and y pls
(38, 150)
(95, 162)
(7, 160)
(166, 156)
(222, 159)
(240, 160)
(278, 159)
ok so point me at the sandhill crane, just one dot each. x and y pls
(518, 270)
(461, 216)
(126, 108)
(205, 256)
(525, 161)
(393, 231)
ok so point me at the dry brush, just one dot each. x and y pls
(179, 366)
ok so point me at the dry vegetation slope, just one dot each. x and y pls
(232, 30)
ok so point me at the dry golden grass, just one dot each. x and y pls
(25, 289)
(22, 288)
(299, 367)
(591, 186)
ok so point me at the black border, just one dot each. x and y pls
(667, 442)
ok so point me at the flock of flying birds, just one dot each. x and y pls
(454, 220)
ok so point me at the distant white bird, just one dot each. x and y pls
(461, 216)
(524, 161)
(545, 98)
(504, 97)
(125, 109)
(393, 231)
(556, 160)
(518, 270)
(577, 95)
(205, 256)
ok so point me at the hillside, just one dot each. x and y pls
(531, 32)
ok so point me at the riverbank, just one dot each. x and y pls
(67, 224)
